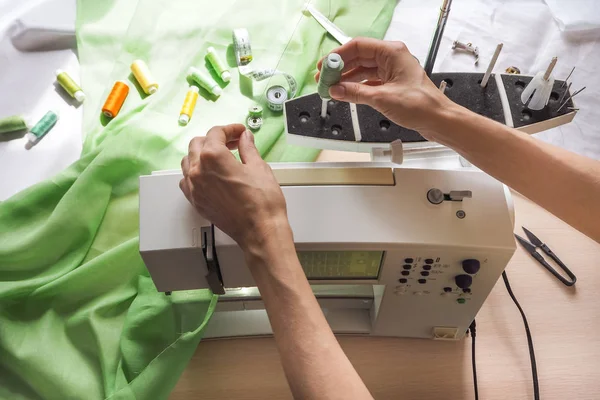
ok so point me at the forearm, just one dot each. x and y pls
(314, 363)
(564, 183)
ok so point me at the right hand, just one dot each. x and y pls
(396, 85)
(243, 199)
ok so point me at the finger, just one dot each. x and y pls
(233, 145)
(360, 48)
(248, 152)
(194, 150)
(354, 93)
(352, 64)
(225, 134)
(183, 185)
(360, 74)
(185, 165)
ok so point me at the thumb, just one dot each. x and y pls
(353, 92)
(248, 152)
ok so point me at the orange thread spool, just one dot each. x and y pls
(115, 99)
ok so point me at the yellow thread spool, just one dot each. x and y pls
(188, 105)
(142, 74)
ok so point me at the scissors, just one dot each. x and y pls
(532, 246)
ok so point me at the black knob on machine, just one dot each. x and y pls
(471, 266)
(463, 281)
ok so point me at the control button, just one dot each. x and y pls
(447, 289)
(408, 260)
(463, 281)
(429, 261)
(471, 266)
(426, 267)
(424, 273)
(467, 290)
(402, 280)
(435, 196)
(422, 281)
(407, 266)
(460, 300)
(405, 273)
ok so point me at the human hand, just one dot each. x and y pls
(396, 85)
(244, 199)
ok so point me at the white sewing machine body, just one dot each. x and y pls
(381, 258)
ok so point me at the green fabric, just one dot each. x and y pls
(79, 315)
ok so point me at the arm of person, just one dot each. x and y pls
(387, 77)
(564, 183)
(245, 201)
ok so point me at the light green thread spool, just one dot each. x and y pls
(205, 81)
(13, 123)
(255, 111)
(218, 64)
(70, 85)
(42, 128)
(331, 73)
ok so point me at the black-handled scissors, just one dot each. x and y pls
(532, 249)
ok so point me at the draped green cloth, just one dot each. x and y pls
(79, 315)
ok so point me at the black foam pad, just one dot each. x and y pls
(303, 117)
(521, 115)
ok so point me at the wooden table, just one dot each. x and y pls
(565, 324)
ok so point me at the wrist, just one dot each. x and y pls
(443, 118)
(270, 237)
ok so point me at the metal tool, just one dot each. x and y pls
(570, 97)
(565, 93)
(437, 36)
(568, 76)
(532, 246)
(468, 47)
(328, 25)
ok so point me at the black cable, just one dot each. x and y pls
(536, 388)
(473, 331)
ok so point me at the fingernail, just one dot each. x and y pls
(337, 91)
(250, 135)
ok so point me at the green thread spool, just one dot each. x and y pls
(331, 73)
(205, 81)
(42, 128)
(255, 111)
(218, 64)
(70, 85)
(13, 123)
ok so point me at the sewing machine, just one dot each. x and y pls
(408, 250)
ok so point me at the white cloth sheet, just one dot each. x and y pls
(532, 33)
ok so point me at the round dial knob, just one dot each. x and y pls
(463, 281)
(471, 266)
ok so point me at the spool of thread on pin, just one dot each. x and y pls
(189, 104)
(142, 74)
(218, 64)
(331, 73)
(70, 86)
(115, 99)
(42, 128)
(205, 81)
(14, 123)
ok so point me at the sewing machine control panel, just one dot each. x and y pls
(419, 275)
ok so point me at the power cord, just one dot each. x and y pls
(473, 332)
(536, 388)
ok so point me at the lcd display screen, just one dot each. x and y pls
(341, 264)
